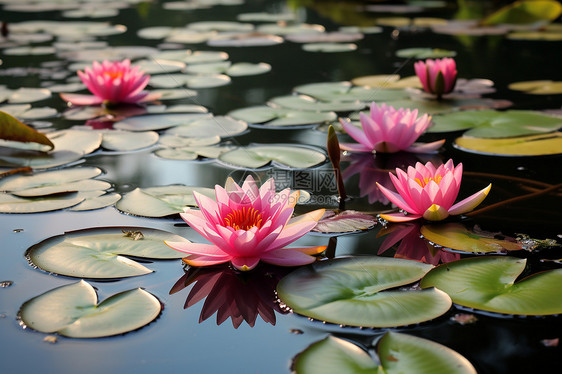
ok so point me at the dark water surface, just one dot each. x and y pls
(176, 342)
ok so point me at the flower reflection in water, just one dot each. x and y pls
(412, 246)
(242, 296)
(374, 168)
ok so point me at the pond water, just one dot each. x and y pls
(178, 340)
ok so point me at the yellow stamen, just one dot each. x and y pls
(425, 181)
(113, 74)
(243, 219)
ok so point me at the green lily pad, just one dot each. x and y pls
(345, 91)
(73, 311)
(525, 12)
(160, 201)
(354, 291)
(397, 353)
(531, 145)
(193, 153)
(456, 236)
(281, 117)
(128, 141)
(46, 179)
(96, 202)
(98, 253)
(13, 204)
(158, 121)
(256, 156)
(489, 283)
(329, 47)
(543, 87)
(302, 102)
(176, 141)
(344, 222)
(423, 53)
(12, 130)
(245, 68)
(206, 127)
(387, 81)
(493, 124)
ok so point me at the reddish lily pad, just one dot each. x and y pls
(344, 222)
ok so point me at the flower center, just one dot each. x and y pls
(423, 182)
(243, 219)
(113, 74)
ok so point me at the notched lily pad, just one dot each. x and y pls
(458, 237)
(256, 156)
(531, 145)
(494, 124)
(73, 311)
(160, 201)
(490, 283)
(355, 292)
(344, 222)
(98, 253)
(397, 353)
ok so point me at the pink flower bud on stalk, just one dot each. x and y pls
(438, 76)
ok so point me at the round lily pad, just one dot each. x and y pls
(96, 202)
(490, 283)
(158, 121)
(494, 124)
(13, 204)
(354, 291)
(73, 311)
(49, 178)
(329, 47)
(302, 102)
(128, 141)
(456, 236)
(423, 53)
(397, 353)
(256, 156)
(160, 201)
(531, 145)
(543, 87)
(345, 91)
(98, 253)
(222, 126)
(268, 116)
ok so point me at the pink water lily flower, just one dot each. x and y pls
(389, 130)
(248, 224)
(438, 76)
(429, 192)
(112, 83)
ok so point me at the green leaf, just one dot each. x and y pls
(494, 124)
(489, 283)
(401, 353)
(72, 311)
(14, 204)
(344, 222)
(456, 236)
(530, 145)
(206, 127)
(97, 253)
(525, 12)
(12, 129)
(128, 141)
(256, 156)
(397, 353)
(48, 178)
(160, 201)
(423, 53)
(355, 291)
(543, 87)
(158, 121)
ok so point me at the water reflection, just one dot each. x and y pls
(240, 296)
(412, 246)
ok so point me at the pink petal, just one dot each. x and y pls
(207, 250)
(287, 257)
(195, 260)
(399, 217)
(426, 147)
(470, 202)
(396, 199)
(355, 147)
(77, 99)
(245, 263)
(435, 213)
